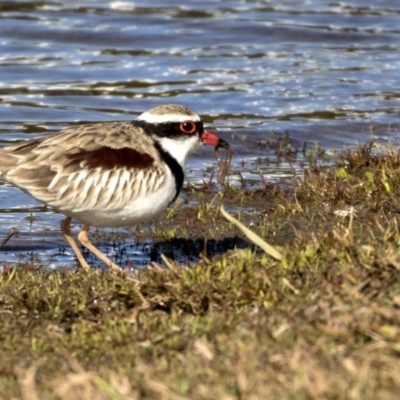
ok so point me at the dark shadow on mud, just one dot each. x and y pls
(183, 251)
(189, 250)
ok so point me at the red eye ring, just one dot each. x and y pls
(188, 127)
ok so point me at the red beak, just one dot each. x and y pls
(209, 138)
(213, 140)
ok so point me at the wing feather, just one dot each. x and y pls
(91, 167)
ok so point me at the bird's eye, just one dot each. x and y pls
(188, 127)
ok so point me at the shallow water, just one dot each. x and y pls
(257, 71)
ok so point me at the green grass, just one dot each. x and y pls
(323, 323)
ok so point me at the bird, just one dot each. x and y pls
(108, 174)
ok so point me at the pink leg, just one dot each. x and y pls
(67, 234)
(83, 238)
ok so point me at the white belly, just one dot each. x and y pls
(139, 210)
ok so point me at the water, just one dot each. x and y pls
(317, 71)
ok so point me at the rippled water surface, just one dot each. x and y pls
(313, 71)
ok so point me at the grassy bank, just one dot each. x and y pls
(321, 323)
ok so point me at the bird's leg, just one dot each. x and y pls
(67, 234)
(83, 238)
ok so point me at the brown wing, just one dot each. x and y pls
(96, 166)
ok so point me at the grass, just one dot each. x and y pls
(322, 323)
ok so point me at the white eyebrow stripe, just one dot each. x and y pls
(157, 119)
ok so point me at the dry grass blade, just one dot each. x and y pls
(253, 237)
(10, 234)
